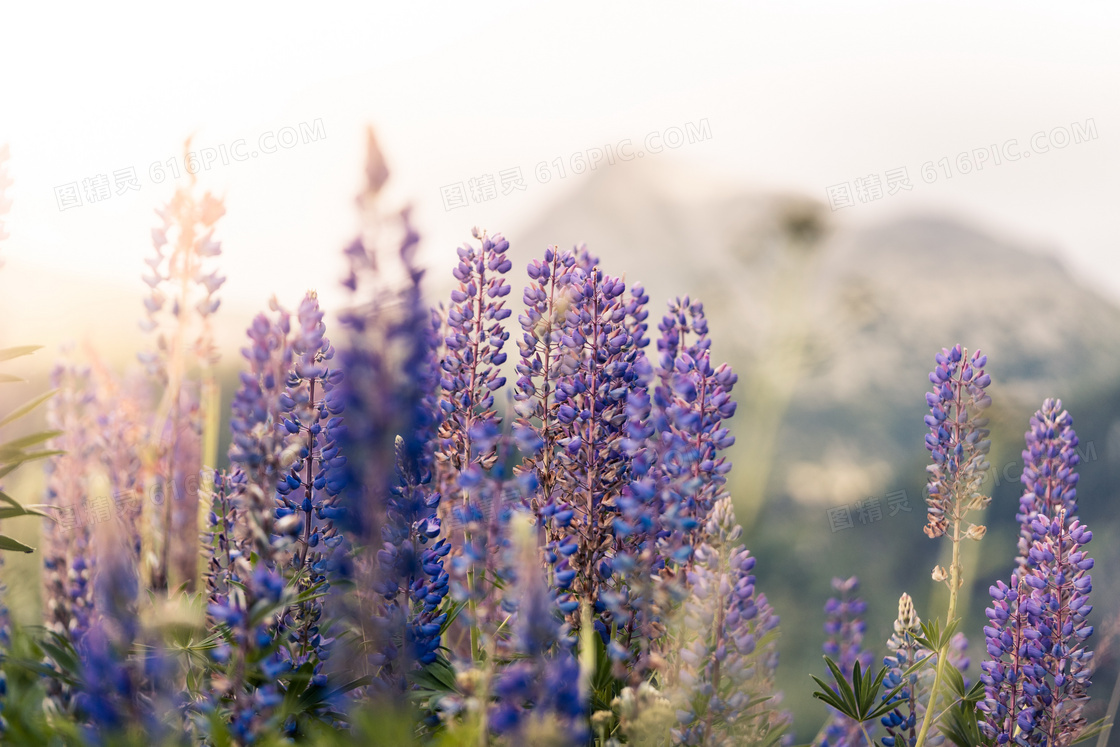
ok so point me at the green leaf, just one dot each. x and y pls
(961, 726)
(14, 463)
(934, 638)
(452, 613)
(828, 695)
(7, 543)
(8, 353)
(19, 412)
(15, 509)
(9, 379)
(18, 445)
(846, 693)
(856, 700)
(1091, 730)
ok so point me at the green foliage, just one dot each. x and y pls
(960, 722)
(859, 699)
(933, 638)
(21, 450)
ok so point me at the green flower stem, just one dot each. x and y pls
(943, 652)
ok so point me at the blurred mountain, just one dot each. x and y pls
(848, 317)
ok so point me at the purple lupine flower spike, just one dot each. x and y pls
(257, 446)
(1049, 473)
(126, 680)
(693, 399)
(901, 724)
(958, 439)
(391, 358)
(1060, 580)
(598, 370)
(471, 365)
(538, 427)
(1015, 674)
(308, 496)
(222, 542)
(683, 330)
(844, 627)
(540, 692)
(469, 434)
(728, 657)
(1039, 623)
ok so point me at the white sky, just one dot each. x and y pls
(798, 95)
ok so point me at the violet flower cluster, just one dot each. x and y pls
(307, 497)
(540, 690)
(692, 401)
(385, 538)
(901, 724)
(844, 629)
(1037, 678)
(958, 439)
(1049, 473)
(729, 661)
(257, 446)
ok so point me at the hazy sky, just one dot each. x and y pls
(797, 95)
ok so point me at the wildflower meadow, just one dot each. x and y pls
(502, 517)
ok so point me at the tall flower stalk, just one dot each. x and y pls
(546, 299)
(901, 724)
(844, 628)
(691, 404)
(183, 284)
(1015, 673)
(1063, 584)
(599, 367)
(259, 447)
(726, 659)
(1049, 476)
(958, 444)
(307, 497)
(1039, 623)
(470, 378)
(391, 356)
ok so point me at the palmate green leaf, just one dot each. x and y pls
(960, 723)
(437, 677)
(62, 653)
(7, 354)
(847, 693)
(856, 700)
(933, 637)
(22, 410)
